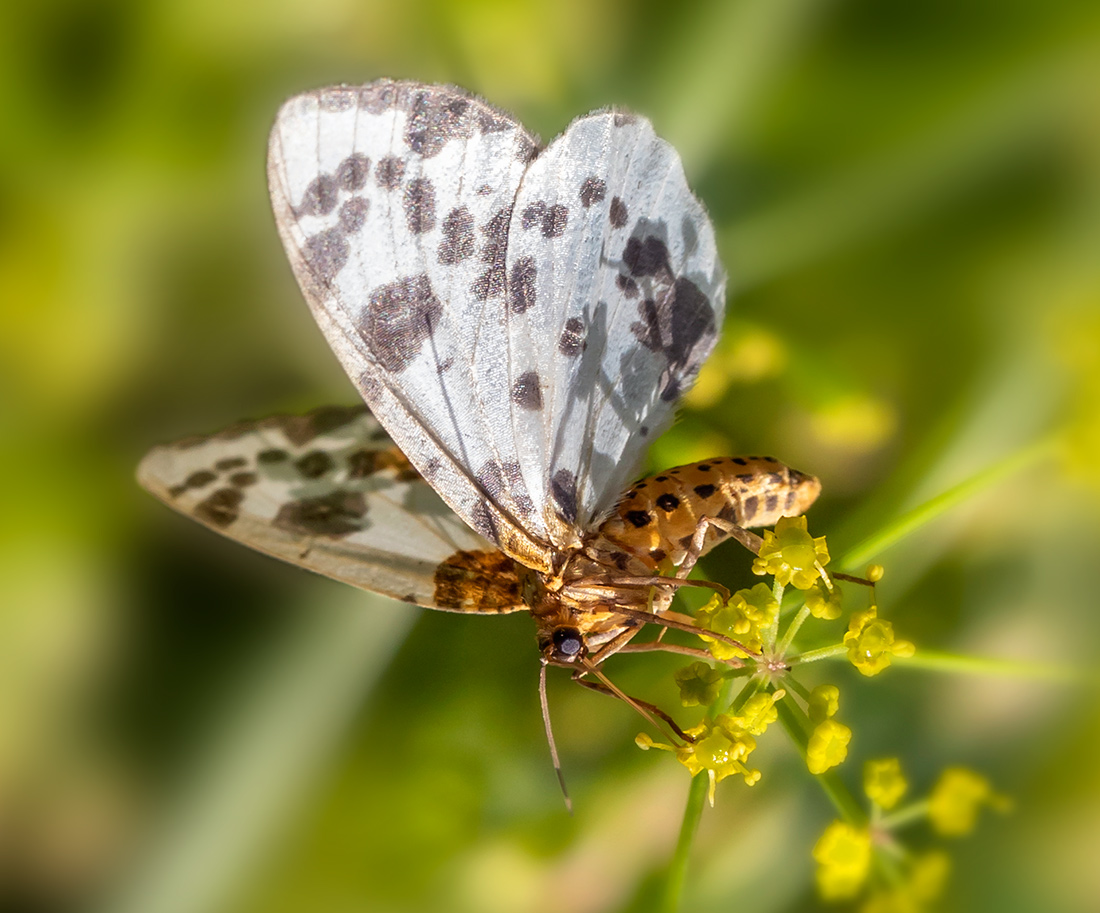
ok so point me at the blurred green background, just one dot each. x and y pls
(907, 196)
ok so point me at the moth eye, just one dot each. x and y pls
(568, 641)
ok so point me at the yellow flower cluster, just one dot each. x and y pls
(828, 744)
(699, 684)
(791, 554)
(843, 856)
(721, 747)
(871, 643)
(956, 799)
(883, 782)
(746, 618)
(824, 600)
(919, 891)
(845, 851)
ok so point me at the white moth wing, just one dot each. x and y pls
(327, 491)
(615, 300)
(394, 202)
(521, 325)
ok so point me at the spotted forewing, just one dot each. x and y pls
(521, 320)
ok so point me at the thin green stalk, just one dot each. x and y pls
(693, 811)
(798, 727)
(677, 867)
(812, 656)
(990, 666)
(792, 630)
(876, 543)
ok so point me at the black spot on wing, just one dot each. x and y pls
(618, 216)
(334, 515)
(493, 250)
(389, 172)
(522, 285)
(563, 489)
(326, 253)
(351, 173)
(320, 197)
(353, 214)
(593, 190)
(555, 220)
(458, 236)
(484, 522)
(527, 391)
(646, 256)
(571, 341)
(434, 118)
(314, 464)
(301, 429)
(532, 215)
(221, 508)
(399, 318)
(419, 204)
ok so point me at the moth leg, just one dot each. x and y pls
(645, 706)
(750, 540)
(651, 646)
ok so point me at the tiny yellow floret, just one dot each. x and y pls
(871, 643)
(699, 684)
(883, 782)
(823, 601)
(843, 856)
(828, 746)
(929, 875)
(791, 554)
(824, 703)
(956, 799)
(745, 618)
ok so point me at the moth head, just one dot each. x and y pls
(565, 644)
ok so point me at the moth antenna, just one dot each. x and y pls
(550, 739)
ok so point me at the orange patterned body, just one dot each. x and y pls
(656, 519)
(601, 587)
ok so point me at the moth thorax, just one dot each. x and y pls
(656, 519)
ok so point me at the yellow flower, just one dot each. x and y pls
(871, 644)
(957, 797)
(843, 856)
(883, 782)
(929, 875)
(745, 618)
(698, 684)
(756, 715)
(923, 885)
(823, 600)
(721, 747)
(824, 703)
(828, 746)
(792, 555)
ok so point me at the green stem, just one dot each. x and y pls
(989, 666)
(872, 546)
(903, 816)
(792, 630)
(812, 656)
(677, 867)
(797, 725)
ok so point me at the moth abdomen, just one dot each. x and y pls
(657, 517)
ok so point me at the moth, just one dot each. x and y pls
(520, 321)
